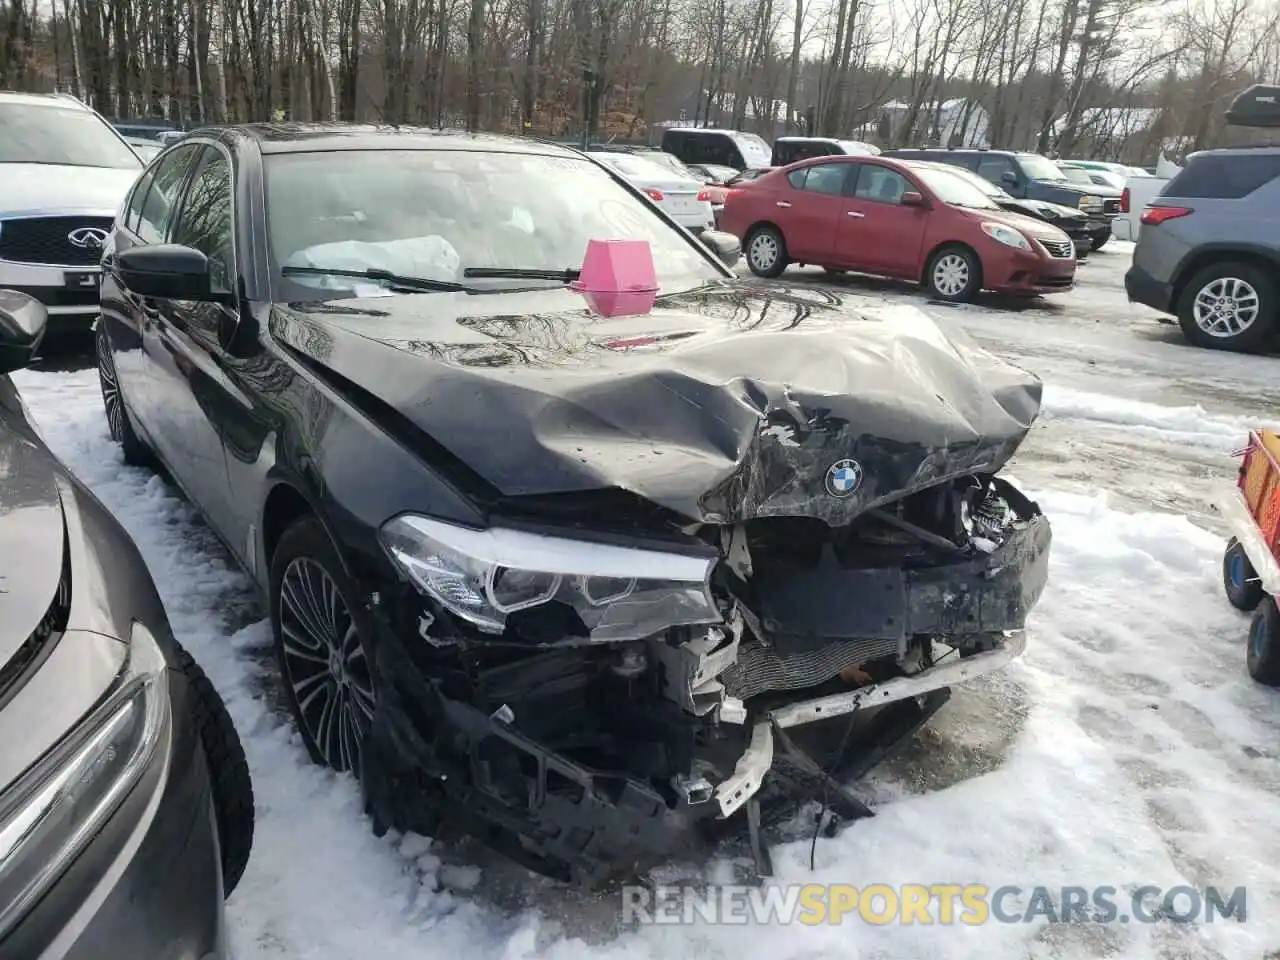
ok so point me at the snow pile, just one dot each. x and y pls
(1180, 425)
(1141, 754)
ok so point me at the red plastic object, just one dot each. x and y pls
(1259, 482)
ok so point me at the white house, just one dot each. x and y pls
(954, 122)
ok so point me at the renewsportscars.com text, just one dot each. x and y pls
(972, 904)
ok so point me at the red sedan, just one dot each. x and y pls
(895, 218)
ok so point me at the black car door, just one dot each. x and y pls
(147, 218)
(181, 350)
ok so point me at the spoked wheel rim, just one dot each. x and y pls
(951, 274)
(325, 664)
(1226, 307)
(110, 387)
(764, 251)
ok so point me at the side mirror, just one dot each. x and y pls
(1009, 177)
(912, 199)
(167, 271)
(22, 325)
(724, 245)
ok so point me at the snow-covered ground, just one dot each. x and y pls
(1128, 747)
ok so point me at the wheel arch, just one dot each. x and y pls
(1211, 253)
(286, 503)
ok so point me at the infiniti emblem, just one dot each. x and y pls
(88, 238)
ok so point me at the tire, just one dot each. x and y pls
(766, 252)
(953, 274)
(136, 452)
(228, 773)
(1239, 579)
(1263, 658)
(1100, 239)
(321, 649)
(1237, 289)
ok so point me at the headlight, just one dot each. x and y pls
(1002, 233)
(1090, 203)
(617, 593)
(50, 814)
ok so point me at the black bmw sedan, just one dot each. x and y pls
(126, 809)
(562, 525)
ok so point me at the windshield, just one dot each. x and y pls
(639, 168)
(754, 149)
(433, 214)
(667, 160)
(61, 135)
(953, 189)
(1040, 168)
(1076, 175)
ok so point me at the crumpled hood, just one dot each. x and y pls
(48, 187)
(1033, 208)
(729, 402)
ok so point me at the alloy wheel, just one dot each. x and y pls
(1226, 307)
(950, 274)
(110, 387)
(763, 252)
(325, 664)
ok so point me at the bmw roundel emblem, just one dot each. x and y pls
(844, 477)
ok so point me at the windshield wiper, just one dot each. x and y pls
(382, 276)
(519, 273)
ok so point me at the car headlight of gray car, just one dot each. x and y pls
(50, 814)
(483, 576)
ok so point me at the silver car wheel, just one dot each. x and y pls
(763, 252)
(1225, 307)
(325, 664)
(110, 387)
(950, 275)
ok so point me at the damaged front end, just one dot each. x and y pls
(582, 705)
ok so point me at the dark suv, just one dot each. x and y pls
(1030, 176)
(1209, 251)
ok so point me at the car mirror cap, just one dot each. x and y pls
(23, 320)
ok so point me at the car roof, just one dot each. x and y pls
(271, 138)
(64, 100)
(729, 133)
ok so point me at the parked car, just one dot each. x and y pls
(1091, 178)
(1123, 171)
(713, 173)
(145, 149)
(683, 198)
(897, 218)
(65, 171)
(1030, 176)
(728, 148)
(126, 808)
(1074, 223)
(663, 159)
(1209, 253)
(549, 556)
(788, 150)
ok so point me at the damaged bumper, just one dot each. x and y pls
(581, 762)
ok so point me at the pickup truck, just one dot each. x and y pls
(1137, 196)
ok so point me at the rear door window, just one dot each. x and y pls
(1224, 176)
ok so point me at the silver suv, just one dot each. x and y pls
(64, 172)
(1209, 251)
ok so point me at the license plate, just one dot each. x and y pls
(82, 281)
(682, 205)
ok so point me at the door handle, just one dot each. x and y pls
(855, 214)
(783, 203)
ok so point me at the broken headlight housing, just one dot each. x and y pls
(483, 576)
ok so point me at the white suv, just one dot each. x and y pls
(64, 172)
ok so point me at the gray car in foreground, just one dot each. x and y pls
(1209, 251)
(126, 810)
